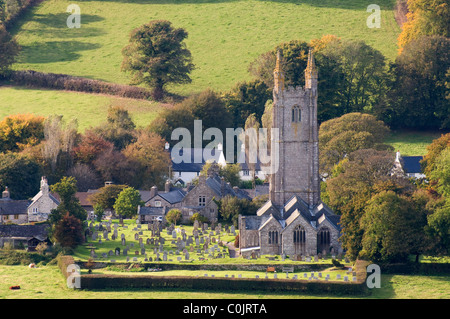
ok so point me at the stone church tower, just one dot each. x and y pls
(294, 221)
(295, 116)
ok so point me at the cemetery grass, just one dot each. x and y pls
(224, 36)
(87, 108)
(82, 252)
(47, 282)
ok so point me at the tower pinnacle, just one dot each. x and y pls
(278, 75)
(311, 75)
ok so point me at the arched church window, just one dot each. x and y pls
(323, 239)
(299, 239)
(296, 114)
(273, 237)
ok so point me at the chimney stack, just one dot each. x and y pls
(153, 191)
(5, 193)
(167, 186)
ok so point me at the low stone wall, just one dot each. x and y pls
(212, 267)
(94, 281)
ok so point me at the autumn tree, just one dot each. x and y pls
(113, 165)
(434, 150)
(425, 18)
(20, 131)
(86, 177)
(90, 146)
(341, 136)
(157, 56)
(60, 138)
(69, 231)
(151, 161)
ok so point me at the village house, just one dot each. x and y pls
(23, 236)
(42, 203)
(13, 211)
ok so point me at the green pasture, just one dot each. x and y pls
(88, 109)
(412, 143)
(47, 282)
(224, 36)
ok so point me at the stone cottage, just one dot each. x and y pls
(42, 203)
(13, 211)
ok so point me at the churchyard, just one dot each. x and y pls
(129, 241)
(201, 250)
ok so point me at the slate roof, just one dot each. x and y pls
(215, 183)
(294, 208)
(193, 165)
(174, 196)
(40, 194)
(411, 164)
(13, 207)
(147, 210)
(24, 231)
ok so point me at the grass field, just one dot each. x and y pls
(47, 282)
(88, 109)
(224, 36)
(412, 143)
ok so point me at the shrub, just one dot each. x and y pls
(72, 83)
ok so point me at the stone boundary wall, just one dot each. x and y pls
(211, 267)
(94, 281)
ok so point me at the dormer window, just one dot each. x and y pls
(296, 114)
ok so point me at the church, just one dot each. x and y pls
(294, 221)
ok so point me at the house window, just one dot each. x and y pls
(246, 172)
(35, 210)
(5, 217)
(179, 173)
(296, 115)
(201, 200)
(273, 237)
(157, 203)
(16, 216)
